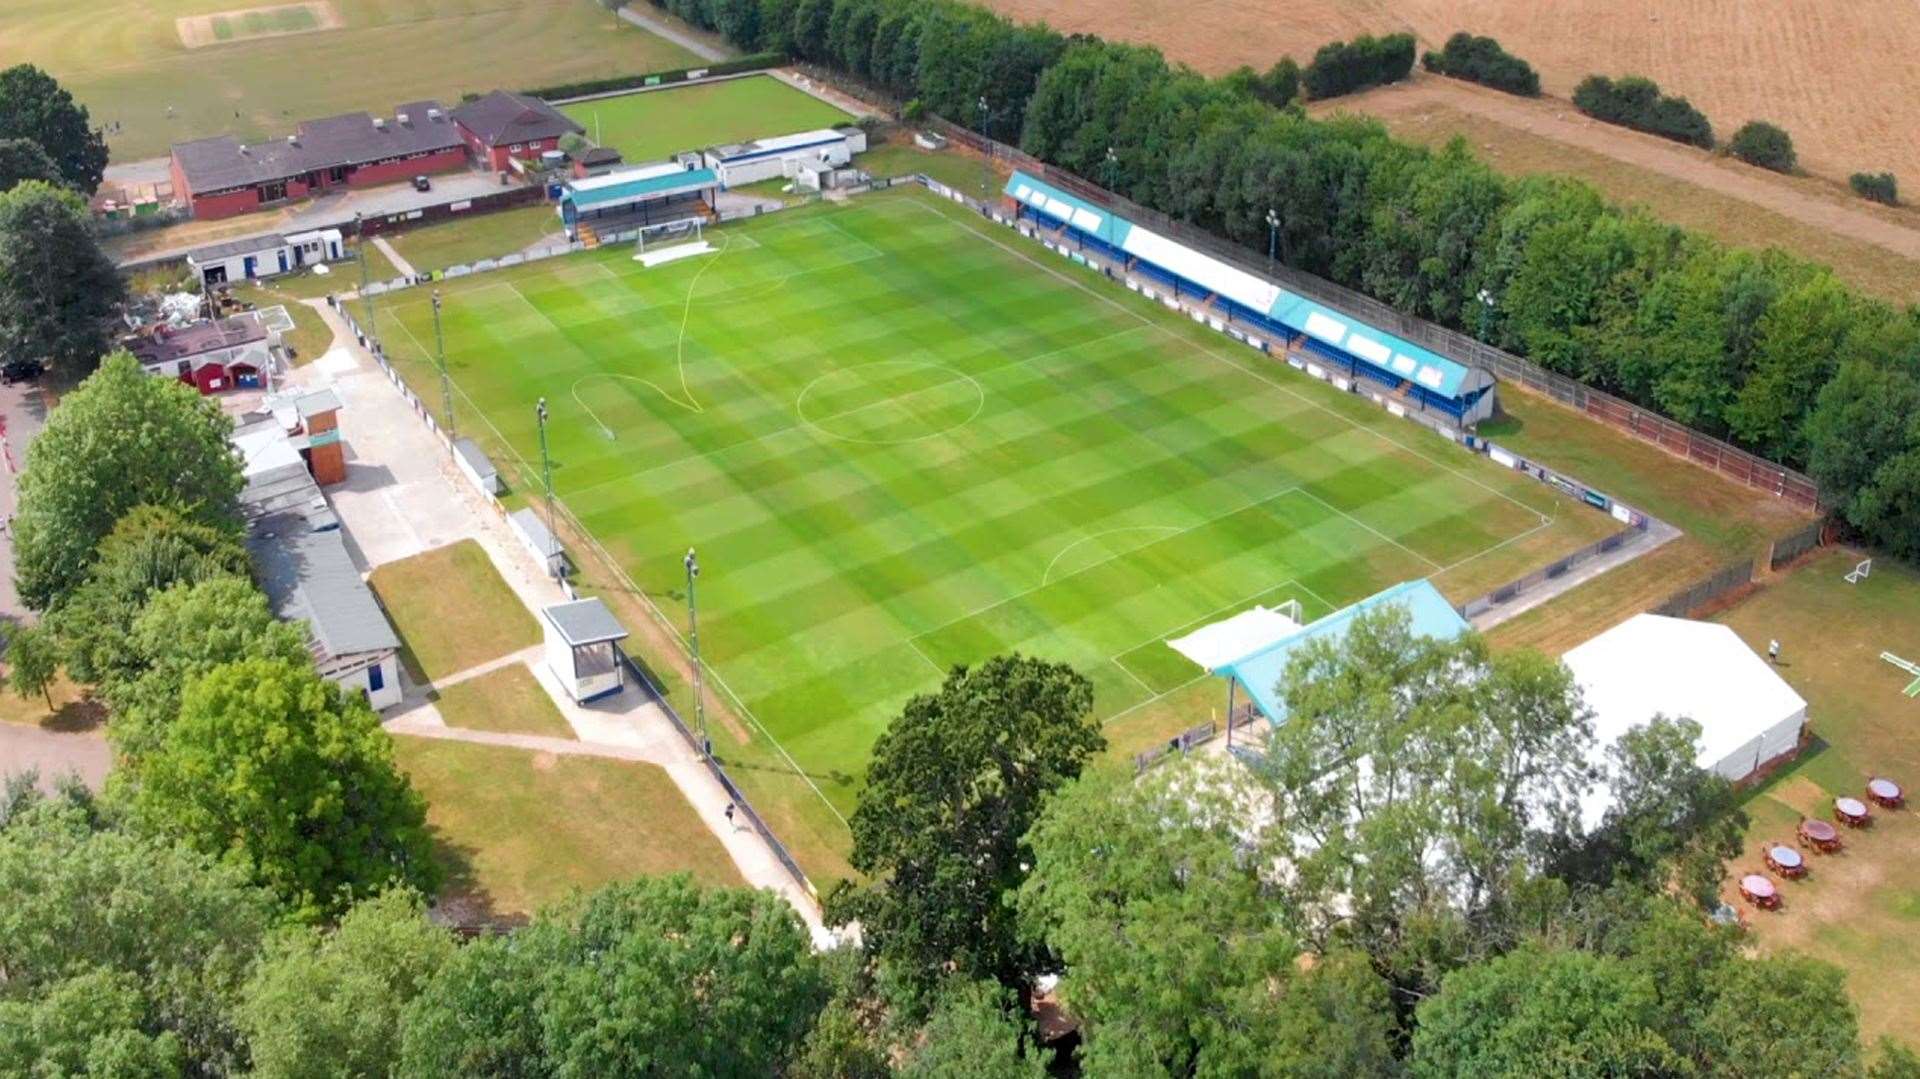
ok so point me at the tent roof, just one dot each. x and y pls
(1229, 639)
(1259, 672)
(1654, 665)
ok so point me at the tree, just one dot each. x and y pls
(121, 439)
(1159, 898)
(1415, 779)
(22, 160)
(86, 1025)
(150, 549)
(1881, 187)
(1782, 1008)
(275, 770)
(36, 108)
(33, 661)
(940, 828)
(1542, 1011)
(181, 634)
(973, 1035)
(644, 977)
(178, 927)
(1860, 431)
(1763, 144)
(331, 1005)
(58, 291)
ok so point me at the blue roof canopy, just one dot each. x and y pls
(1260, 672)
(672, 182)
(1386, 351)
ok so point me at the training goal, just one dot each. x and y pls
(1861, 572)
(665, 242)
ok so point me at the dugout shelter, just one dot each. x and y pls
(1329, 342)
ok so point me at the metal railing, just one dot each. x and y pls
(1789, 547)
(1707, 590)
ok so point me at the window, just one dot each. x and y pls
(376, 681)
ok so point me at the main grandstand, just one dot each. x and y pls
(1431, 383)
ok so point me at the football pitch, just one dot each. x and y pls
(902, 438)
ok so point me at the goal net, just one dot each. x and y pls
(654, 244)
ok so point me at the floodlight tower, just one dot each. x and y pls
(1273, 238)
(985, 113)
(693, 637)
(440, 356)
(360, 233)
(546, 468)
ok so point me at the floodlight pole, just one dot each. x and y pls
(446, 384)
(1113, 162)
(359, 231)
(1273, 239)
(693, 637)
(546, 468)
(986, 153)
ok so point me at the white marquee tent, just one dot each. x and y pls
(1653, 665)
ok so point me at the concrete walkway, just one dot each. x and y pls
(711, 53)
(402, 496)
(54, 754)
(393, 256)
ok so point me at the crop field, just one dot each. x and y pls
(652, 124)
(903, 438)
(127, 62)
(1797, 65)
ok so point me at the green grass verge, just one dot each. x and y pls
(518, 830)
(1860, 910)
(451, 610)
(509, 700)
(903, 439)
(127, 64)
(653, 124)
(898, 156)
(466, 240)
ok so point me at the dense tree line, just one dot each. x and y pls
(1483, 60)
(1746, 345)
(1346, 67)
(1636, 102)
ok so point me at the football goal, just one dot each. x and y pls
(1861, 572)
(655, 244)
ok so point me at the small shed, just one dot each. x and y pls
(583, 648)
(477, 466)
(539, 541)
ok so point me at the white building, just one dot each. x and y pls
(265, 256)
(1653, 665)
(583, 648)
(784, 156)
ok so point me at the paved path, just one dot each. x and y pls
(402, 496)
(54, 753)
(645, 21)
(393, 256)
(23, 411)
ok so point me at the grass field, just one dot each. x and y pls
(508, 700)
(451, 610)
(1860, 909)
(657, 123)
(901, 441)
(289, 19)
(465, 240)
(516, 830)
(124, 60)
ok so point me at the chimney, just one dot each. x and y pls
(434, 114)
(400, 116)
(293, 140)
(379, 123)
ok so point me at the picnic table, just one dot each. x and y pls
(1851, 812)
(1886, 793)
(1759, 891)
(1785, 861)
(1822, 836)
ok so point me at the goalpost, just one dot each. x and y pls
(655, 244)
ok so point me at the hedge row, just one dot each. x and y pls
(756, 62)
(1342, 67)
(1636, 102)
(1879, 186)
(1763, 144)
(1482, 60)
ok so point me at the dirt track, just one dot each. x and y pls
(1557, 120)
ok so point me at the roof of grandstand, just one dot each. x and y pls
(640, 182)
(1259, 672)
(1384, 350)
(743, 151)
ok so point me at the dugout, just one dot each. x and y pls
(1328, 343)
(630, 198)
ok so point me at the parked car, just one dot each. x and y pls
(421, 183)
(21, 371)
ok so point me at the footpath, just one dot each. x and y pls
(403, 495)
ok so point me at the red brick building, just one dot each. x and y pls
(502, 126)
(221, 177)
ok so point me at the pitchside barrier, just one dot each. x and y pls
(1788, 548)
(1707, 590)
(1702, 449)
(641, 673)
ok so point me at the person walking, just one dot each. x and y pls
(1773, 652)
(729, 813)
